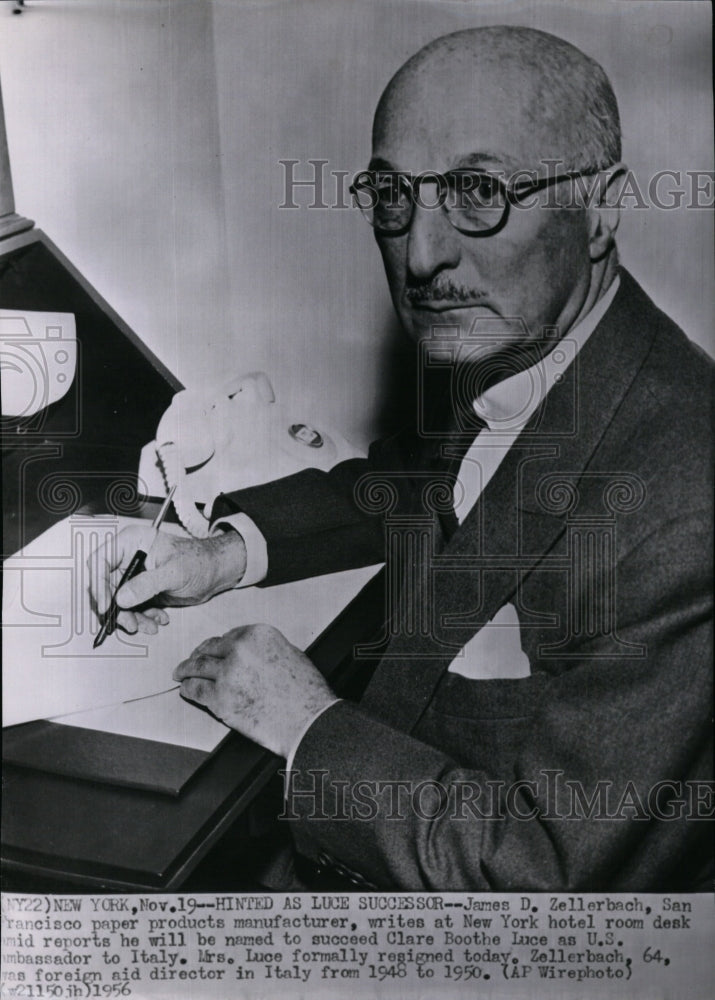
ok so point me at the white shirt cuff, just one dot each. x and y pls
(306, 727)
(256, 547)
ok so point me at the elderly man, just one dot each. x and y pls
(540, 715)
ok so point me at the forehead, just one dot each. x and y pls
(451, 114)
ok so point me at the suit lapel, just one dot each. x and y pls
(518, 518)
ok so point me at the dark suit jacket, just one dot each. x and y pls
(596, 527)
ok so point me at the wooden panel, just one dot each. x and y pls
(85, 447)
(97, 756)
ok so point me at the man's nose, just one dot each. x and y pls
(432, 241)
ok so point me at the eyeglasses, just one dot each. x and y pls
(475, 202)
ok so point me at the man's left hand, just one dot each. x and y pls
(255, 681)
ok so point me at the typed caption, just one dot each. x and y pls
(373, 944)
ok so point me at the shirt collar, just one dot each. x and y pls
(507, 406)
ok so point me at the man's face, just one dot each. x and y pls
(534, 272)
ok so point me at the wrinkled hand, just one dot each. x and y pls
(179, 571)
(255, 681)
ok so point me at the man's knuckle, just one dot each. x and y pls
(195, 688)
(262, 630)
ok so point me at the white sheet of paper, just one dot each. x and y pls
(165, 717)
(49, 666)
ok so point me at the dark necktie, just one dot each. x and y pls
(453, 449)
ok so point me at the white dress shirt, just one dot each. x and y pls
(495, 651)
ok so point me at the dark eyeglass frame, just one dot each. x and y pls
(512, 191)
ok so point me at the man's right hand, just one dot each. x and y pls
(179, 571)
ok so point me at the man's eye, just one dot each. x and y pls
(392, 194)
(472, 192)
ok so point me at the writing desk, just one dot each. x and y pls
(74, 833)
(83, 453)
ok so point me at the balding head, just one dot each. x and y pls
(556, 102)
(506, 102)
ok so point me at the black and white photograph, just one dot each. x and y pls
(357, 370)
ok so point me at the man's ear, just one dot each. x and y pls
(604, 211)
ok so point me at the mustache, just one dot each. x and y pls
(442, 291)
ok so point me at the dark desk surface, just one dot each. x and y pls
(75, 833)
